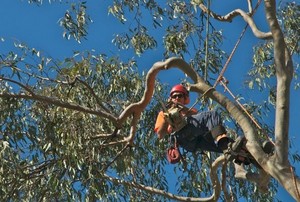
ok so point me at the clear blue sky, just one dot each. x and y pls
(38, 27)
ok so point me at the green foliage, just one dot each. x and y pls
(264, 67)
(178, 24)
(140, 40)
(50, 147)
(263, 72)
(290, 25)
(75, 22)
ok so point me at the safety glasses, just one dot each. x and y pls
(177, 96)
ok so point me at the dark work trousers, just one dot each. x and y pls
(196, 135)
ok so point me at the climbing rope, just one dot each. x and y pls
(229, 58)
(221, 75)
(224, 83)
(234, 48)
(206, 43)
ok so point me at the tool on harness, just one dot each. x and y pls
(173, 152)
(175, 118)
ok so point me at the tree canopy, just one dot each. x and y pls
(81, 127)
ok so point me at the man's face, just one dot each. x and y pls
(178, 97)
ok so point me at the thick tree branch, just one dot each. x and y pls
(214, 178)
(279, 166)
(201, 87)
(137, 108)
(261, 179)
(284, 73)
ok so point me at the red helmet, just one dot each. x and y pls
(180, 88)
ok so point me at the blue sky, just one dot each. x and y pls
(38, 27)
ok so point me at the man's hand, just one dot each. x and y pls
(171, 104)
(175, 118)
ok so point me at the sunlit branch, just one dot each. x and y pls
(250, 8)
(223, 182)
(123, 141)
(214, 178)
(284, 75)
(135, 109)
(238, 12)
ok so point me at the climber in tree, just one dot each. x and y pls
(193, 130)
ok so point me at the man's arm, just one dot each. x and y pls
(161, 126)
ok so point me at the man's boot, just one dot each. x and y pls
(235, 150)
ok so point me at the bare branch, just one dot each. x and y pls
(106, 136)
(123, 141)
(284, 73)
(156, 191)
(214, 178)
(18, 83)
(60, 103)
(251, 23)
(137, 108)
(229, 17)
(250, 6)
(226, 18)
